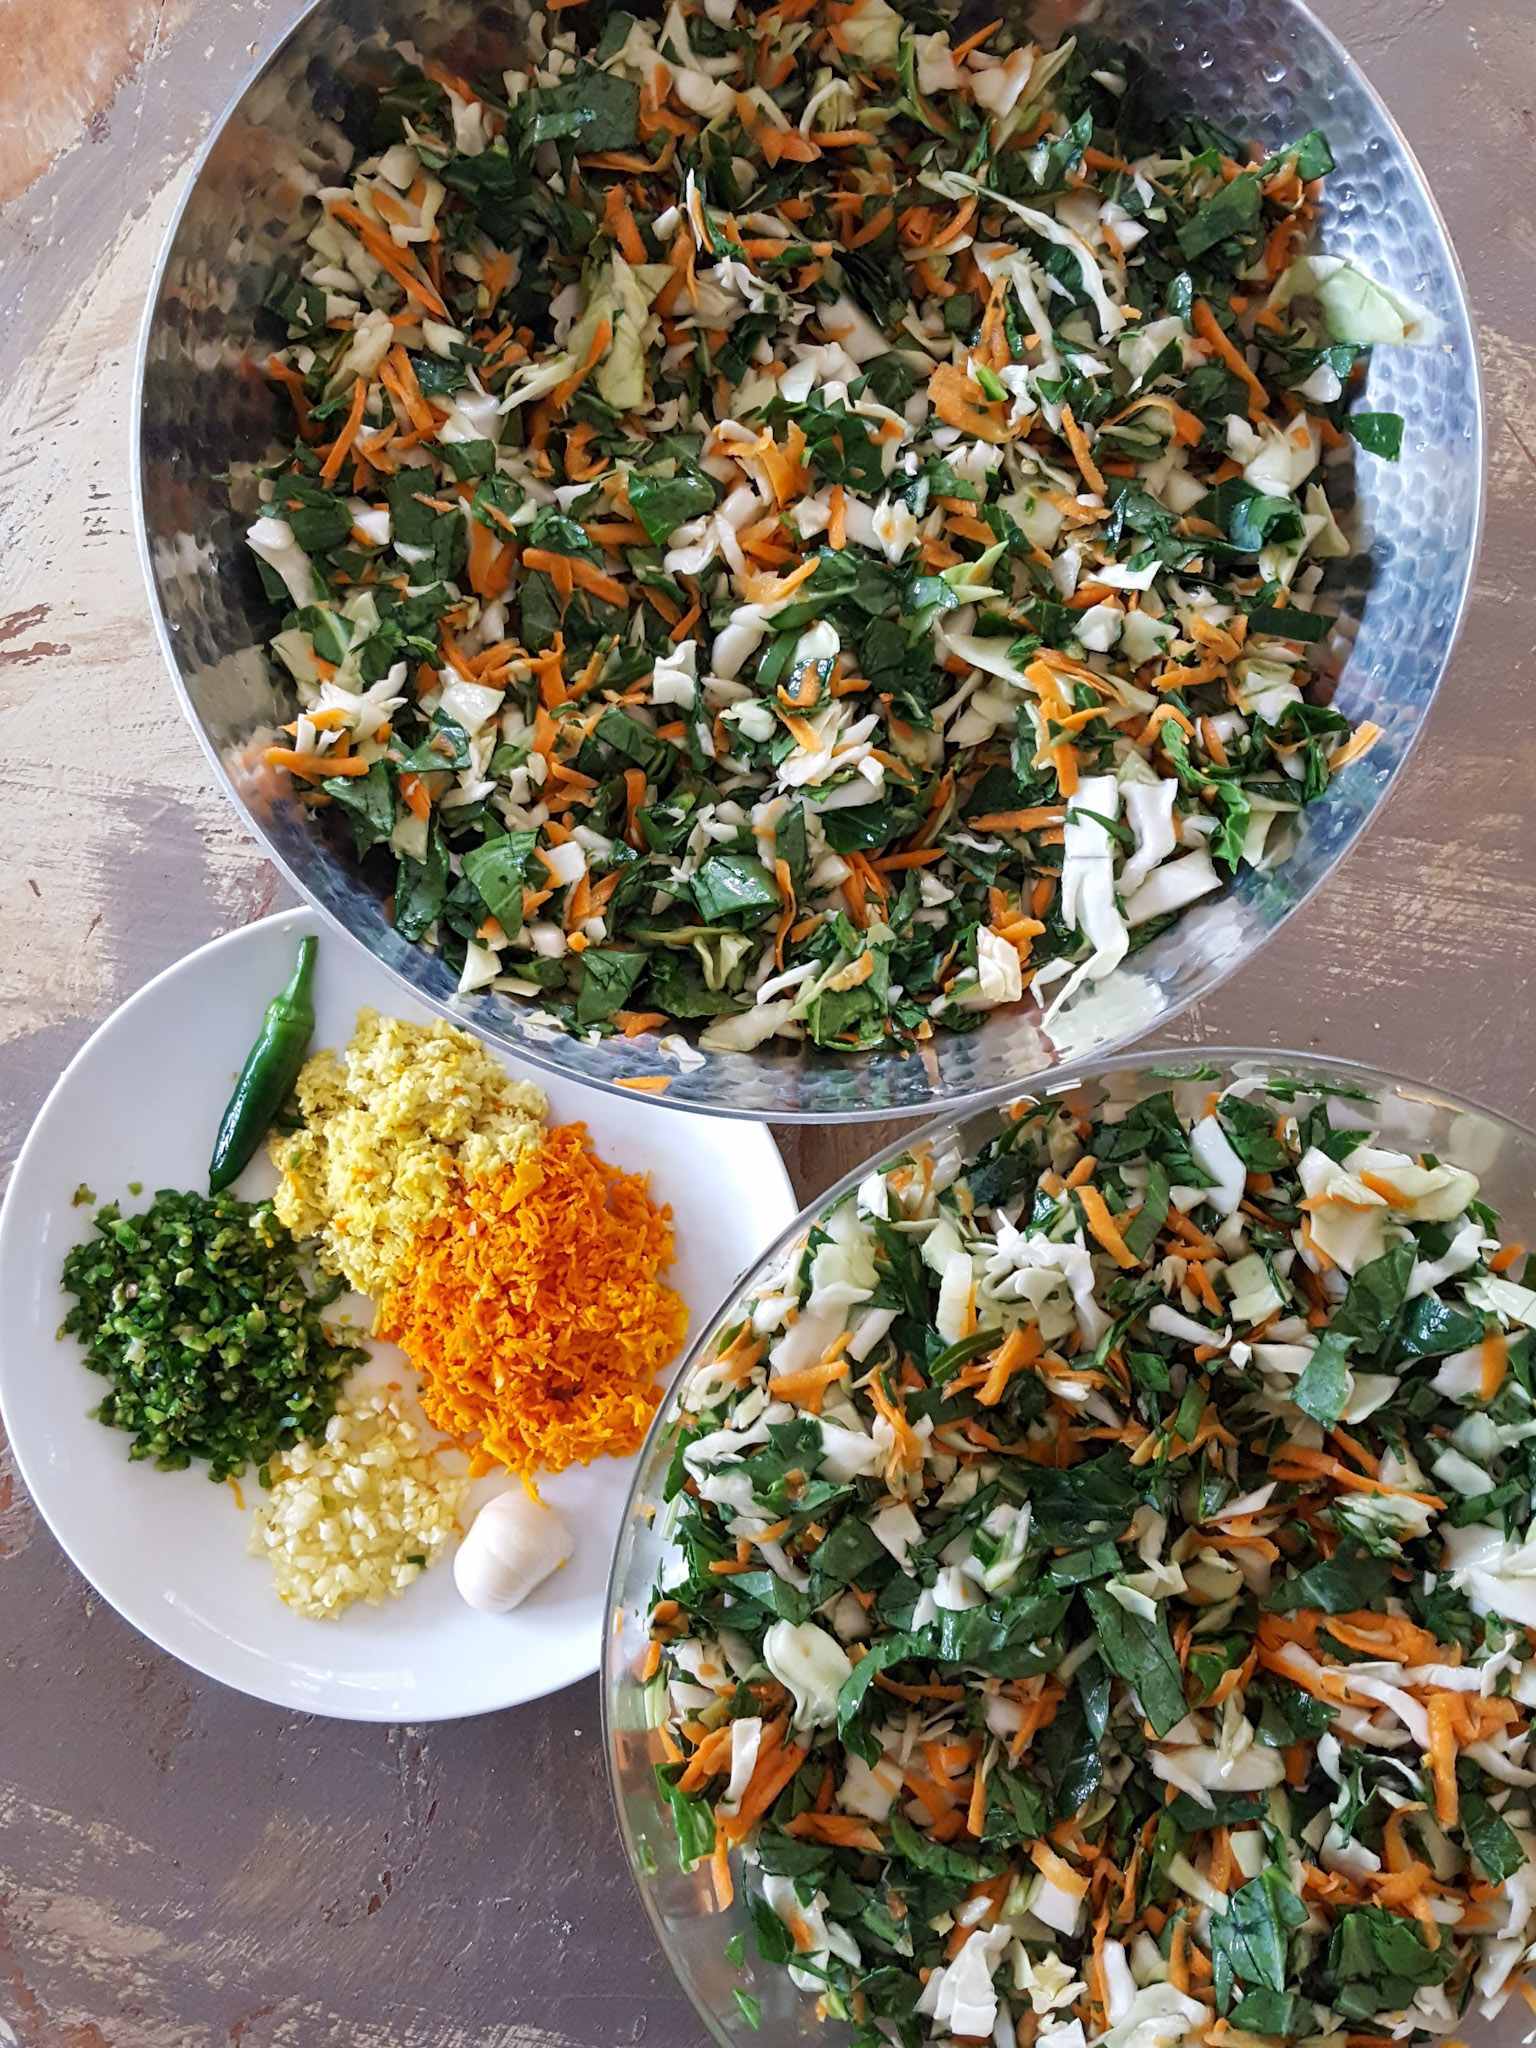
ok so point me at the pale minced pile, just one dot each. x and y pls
(359, 1516)
(388, 1130)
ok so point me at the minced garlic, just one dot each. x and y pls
(387, 1132)
(359, 1516)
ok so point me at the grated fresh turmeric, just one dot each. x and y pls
(534, 1313)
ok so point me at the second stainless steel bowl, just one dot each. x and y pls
(681, 1905)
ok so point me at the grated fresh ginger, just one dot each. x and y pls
(388, 1132)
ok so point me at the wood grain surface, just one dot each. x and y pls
(179, 1866)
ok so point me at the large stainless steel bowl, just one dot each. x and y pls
(681, 1905)
(1264, 67)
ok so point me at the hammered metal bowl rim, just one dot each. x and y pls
(541, 1053)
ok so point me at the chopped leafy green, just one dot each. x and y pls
(1376, 1961)
(664, 498)
(735, 885)
(1249, 1941)
(421, 889)
(498, 869)
(1233, 210)
(1379, 433)
(1324, 1387)
(1492, 1842)
(597, 109)
(1338, 1585)
(1140, 1652)
(607, 977)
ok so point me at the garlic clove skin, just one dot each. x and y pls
(513, 1545)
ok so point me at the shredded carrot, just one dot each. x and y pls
(330, 469)
(775, 1767)
(1029, 820)
(1495, 1364)
(534, 1311)
(720, 1855)
(836, 1830)
(634, 797)
(960, 403)
(1104, 1227)
(619, 222)
(1384, 1635)
(1021, 1347)
(1211, 332)
(683, 626)
(807, 1388)
(1082, 455)
(1187, 430)
(906, 1452)
(837, 518)
(381, 247)
(1360, 741)
(1297, 1461)
(416, 796)
(293, 383)
(399, 379)
(579, 466)
(1057, 1871)
(490, 562)
(1442, 1756)
(974, 42)
(873, 228)
(575, 570)
(712, 1757)
(616, 533)
(314, 767)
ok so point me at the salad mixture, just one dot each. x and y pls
(1103, 1584)
(805, 525)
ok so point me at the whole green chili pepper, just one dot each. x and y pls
(271, 1068)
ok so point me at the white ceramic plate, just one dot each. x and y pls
(141, 1102)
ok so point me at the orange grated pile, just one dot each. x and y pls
(534, 1313)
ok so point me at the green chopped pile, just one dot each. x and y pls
(200, 1314)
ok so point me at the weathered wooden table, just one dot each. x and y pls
(179, 1866)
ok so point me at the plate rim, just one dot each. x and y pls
(13, 1243)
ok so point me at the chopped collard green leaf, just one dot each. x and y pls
(850, 507)
(1101, 1582)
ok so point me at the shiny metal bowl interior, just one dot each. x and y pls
(681, 1907)
(1266, 68)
